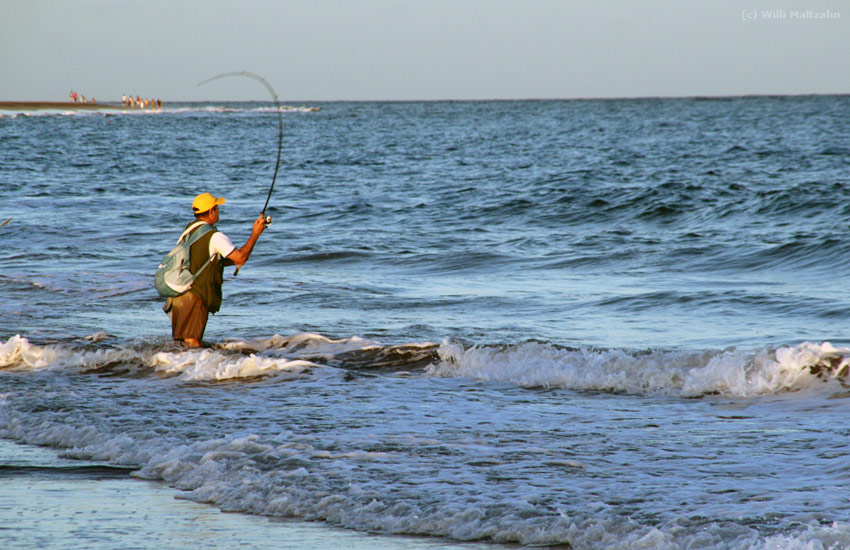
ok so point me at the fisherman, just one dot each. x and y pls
(189, 312)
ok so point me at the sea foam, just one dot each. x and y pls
(679, 373)
(672, 372)
(19, 354)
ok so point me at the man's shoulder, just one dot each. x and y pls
(219, 235)
(221, 243)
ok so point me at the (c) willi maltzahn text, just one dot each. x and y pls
(799, 14)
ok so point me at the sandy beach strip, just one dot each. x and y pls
(28, 106)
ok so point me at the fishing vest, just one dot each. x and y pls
(207, 286)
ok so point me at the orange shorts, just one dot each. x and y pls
(188, 317)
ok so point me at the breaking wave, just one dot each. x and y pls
(530, 365)
(677, 373)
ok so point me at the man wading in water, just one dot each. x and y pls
(190, 311)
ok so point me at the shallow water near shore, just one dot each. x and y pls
(594, 324)
(51, 502)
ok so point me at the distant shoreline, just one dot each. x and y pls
(53, 105)
(25, 106)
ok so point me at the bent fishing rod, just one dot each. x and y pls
(264, 82)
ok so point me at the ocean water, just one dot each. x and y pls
(611, 324)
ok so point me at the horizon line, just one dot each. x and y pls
(458, 100)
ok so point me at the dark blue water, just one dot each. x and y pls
(482, 320)
(674, 223)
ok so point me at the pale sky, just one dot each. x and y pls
(421, 49)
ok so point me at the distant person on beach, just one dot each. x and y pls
(189, 312)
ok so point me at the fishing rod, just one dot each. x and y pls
(267, 219)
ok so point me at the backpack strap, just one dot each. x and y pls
(206, 263)
(190, 229)
(195, 237)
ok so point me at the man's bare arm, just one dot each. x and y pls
(240, 255)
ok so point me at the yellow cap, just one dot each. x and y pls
(205, 202)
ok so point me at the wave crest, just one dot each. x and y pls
(678, 373)
(234, 359)
(531, 365)
(19, 354)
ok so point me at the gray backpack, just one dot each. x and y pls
(173, 277)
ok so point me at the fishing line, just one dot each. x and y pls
(267, 219)
(268, 86)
